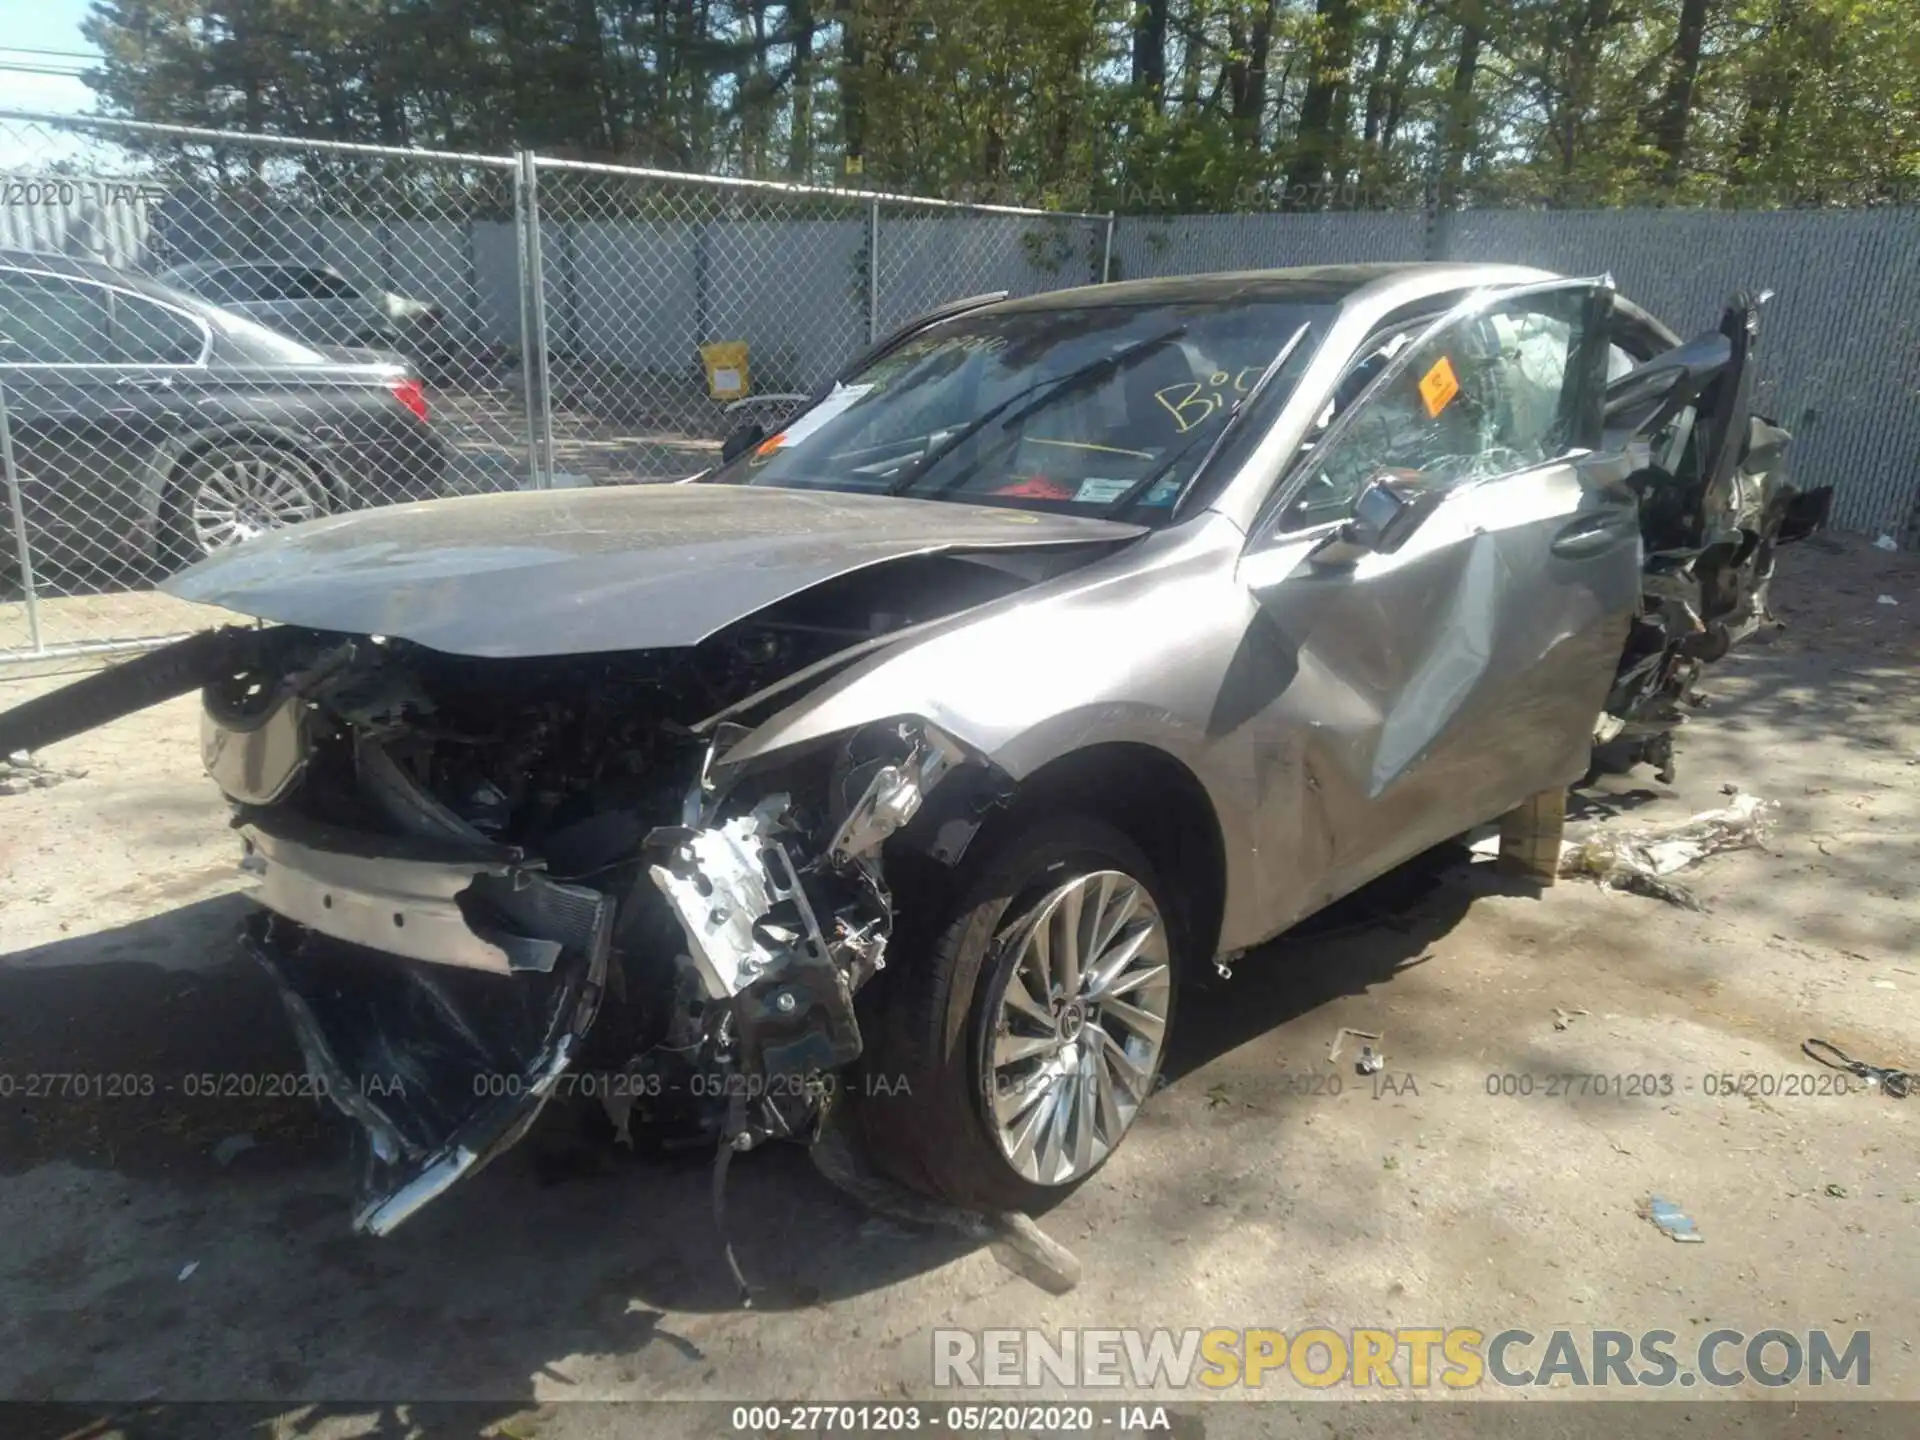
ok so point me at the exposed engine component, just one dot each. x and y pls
(492, 859)
(894, 795)
(725, 884)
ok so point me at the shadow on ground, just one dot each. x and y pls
(563, 1247)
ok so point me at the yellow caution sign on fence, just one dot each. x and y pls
(726, 362)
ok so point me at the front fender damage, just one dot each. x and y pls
(782, 930)
(474, 905)
(493, 875)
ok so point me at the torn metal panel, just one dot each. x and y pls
(260, 764)
(895, 793)
(405, 906)
(721, 888)
(444, 911)
(442, 1068)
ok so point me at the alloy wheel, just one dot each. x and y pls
(1078, 1026)
(242, 494)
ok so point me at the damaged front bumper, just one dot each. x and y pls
(437, 998)
(442, 1067)
(441, 983)
(482, 911)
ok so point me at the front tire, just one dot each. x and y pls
(1010, 1057)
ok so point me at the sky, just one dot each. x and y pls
(27, 26)
(42, 25)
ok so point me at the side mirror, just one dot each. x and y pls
(740, 439)
(1386, 513)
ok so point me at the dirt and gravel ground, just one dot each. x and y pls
(140, 1258)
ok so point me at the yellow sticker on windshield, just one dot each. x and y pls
(1438, 386)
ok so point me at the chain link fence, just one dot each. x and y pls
(204, 335)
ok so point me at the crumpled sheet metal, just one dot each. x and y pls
(1640, 857)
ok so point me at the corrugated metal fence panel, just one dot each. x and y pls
(82, 216)
(1840, 341)
(1194, 244)
(793, 290)
(926, 261)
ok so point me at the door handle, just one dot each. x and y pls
(147, 382)
(1592, 535)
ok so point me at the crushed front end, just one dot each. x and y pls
(488, 881)
(1715, 500)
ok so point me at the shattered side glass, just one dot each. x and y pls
(1480, 397)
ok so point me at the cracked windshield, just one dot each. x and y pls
(1096, 409)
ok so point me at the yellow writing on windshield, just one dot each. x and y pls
(1192, 403)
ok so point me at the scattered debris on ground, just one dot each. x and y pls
(1369, 1062)
(232, 1148)
(20, 772)
(1638, 858)
(1895, 1083)
(1672, 1220)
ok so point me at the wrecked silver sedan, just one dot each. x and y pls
(907, 760)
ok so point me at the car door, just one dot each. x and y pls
(1446, 573)
(79, 453)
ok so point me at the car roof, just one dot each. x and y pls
(75, 268)
(1301, 285)
(72, 266)
(207, 267)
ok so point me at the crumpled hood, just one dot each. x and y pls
(579, 571)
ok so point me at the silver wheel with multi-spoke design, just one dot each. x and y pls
(1078, 1026)
(235, 494)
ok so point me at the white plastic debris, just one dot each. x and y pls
(1888, 600)
(186, 1270)
(1674, 1222)
(1886, 542)
(1639, 857)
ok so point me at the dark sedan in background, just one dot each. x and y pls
(150, 428)
(315, 303)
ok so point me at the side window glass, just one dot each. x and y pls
(1484, 396)
(269, 283)
(47, 321)
(150, 334)
(1326, 495)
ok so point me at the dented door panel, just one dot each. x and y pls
(1437, 685)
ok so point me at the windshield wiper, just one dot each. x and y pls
(1142, 487)
(1057, 388)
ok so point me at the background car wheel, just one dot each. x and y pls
(1013, 1050)
(233, 493)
